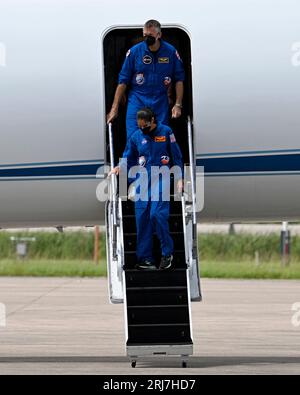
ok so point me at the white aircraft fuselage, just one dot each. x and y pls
(246, 100)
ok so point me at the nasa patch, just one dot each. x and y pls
(167, 81)
(165, 160)
(140, 79)
(142, 161)
(144, 142)
(147, 59)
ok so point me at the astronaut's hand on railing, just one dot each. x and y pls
(176, 111)
(112, 115)
(115, 171)
(180, 186)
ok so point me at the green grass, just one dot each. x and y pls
(209, 269)
(249, 270)
(54, 246)
(70, 254)
(242, 247)
(52, 268)
(80, 246)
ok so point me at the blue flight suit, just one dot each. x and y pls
(149, 75)
(152, 213)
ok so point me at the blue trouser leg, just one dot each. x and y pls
(159, 215)
(131, 123)
(134, 105)
(144, 231)
(159, 105)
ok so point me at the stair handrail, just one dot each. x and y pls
(114, 182)
(192, 169)
(114, 192)
(186, 245)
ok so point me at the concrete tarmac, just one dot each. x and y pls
(67, 326)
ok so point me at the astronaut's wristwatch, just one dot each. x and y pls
(178, 105)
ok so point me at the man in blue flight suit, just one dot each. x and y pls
(150, 68)
(153, 145)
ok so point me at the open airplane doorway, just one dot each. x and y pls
(115, 45)
(121, 230)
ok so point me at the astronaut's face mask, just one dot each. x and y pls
(146, 129)
(151, 36)
(150, 40)
(146, 125)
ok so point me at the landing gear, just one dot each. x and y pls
(133, 364)
(184, 361)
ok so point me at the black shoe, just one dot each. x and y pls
(145, 265)
(166, 262)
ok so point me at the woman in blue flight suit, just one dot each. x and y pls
(149, 69)
(152, 146)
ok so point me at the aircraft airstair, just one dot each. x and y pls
(157, 303)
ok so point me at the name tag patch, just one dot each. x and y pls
(160, 139)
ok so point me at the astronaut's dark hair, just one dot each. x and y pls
(146, 114)
(153, 23)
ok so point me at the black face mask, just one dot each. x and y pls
(150, 40)
(146, 129)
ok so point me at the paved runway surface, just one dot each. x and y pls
(67, 326)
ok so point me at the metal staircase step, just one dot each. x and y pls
(178, 260)
(141, 315)
(167, 306)
(137, 278)
(162, 334)
(165, 288)
(156, 297)
(158, 325)
(158, 345)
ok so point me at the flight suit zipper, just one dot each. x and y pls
(155, 61)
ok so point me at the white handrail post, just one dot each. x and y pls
(113, 177)
(192, 169)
